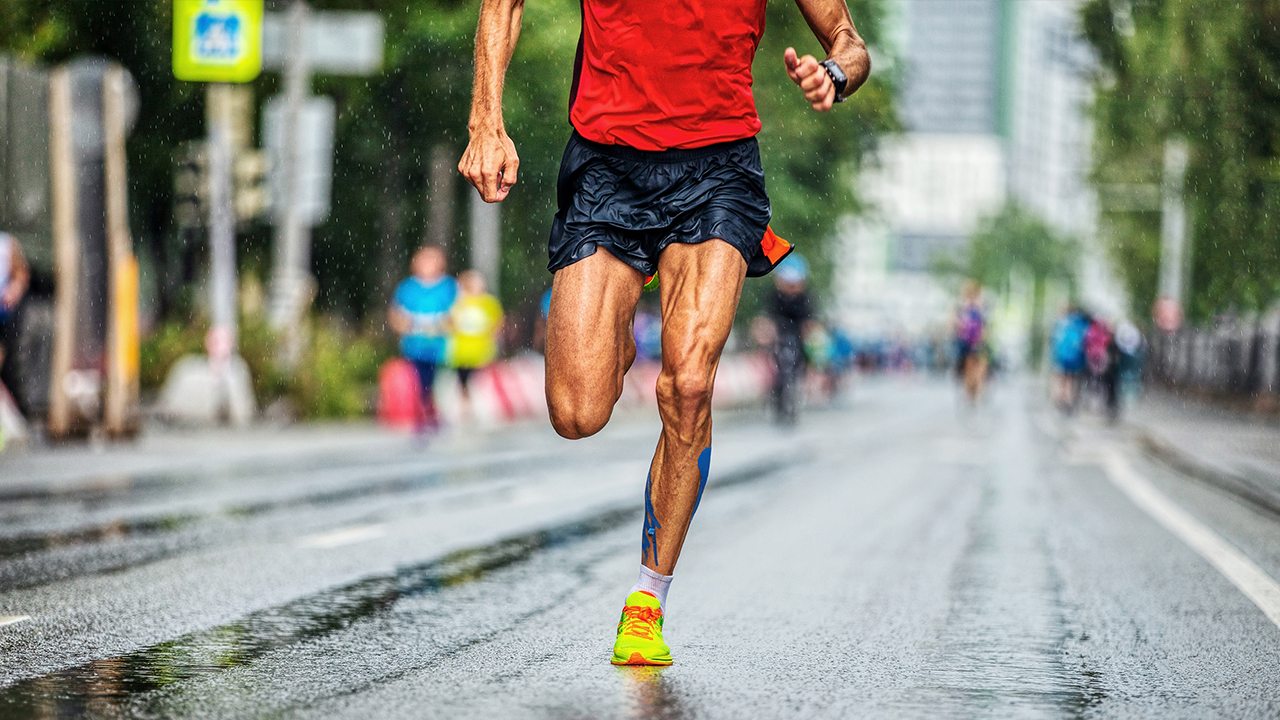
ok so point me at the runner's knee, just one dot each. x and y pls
(685, 388)
(576, 415)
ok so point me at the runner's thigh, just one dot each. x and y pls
(589, 330)
(701, 286)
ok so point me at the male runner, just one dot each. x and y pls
(663, 174)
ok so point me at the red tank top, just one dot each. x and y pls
(662, 74)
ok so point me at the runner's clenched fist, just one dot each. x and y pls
(490, 164)
(812, 79)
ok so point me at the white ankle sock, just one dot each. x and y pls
(654, 584)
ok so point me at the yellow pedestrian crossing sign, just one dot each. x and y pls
(217, 40)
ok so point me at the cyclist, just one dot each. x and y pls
(791, 309)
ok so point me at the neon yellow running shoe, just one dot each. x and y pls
(640, 633)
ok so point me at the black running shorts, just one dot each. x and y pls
(634, 203)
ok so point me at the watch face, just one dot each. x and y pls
(837, 77)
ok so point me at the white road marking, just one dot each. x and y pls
(343, 536)
(1233, 564)
(12, 619)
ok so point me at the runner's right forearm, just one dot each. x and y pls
(833, 26)
(496, 36)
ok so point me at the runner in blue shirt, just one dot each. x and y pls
(420, 315)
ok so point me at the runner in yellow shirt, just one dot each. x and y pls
(477, 318)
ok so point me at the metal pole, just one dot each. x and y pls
(66, 249)
(120, 415)
(292, 236)
(1173, 221)
(222, 231)
(486, 250)
(444, 167)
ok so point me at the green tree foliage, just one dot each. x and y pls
(389, 124)
(1015, 240)
(1208, 72)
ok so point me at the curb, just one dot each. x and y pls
(1166, 453)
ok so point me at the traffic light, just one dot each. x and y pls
(252, 196)
(191, 185)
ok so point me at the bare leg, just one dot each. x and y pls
(590, 345)
(701, 285)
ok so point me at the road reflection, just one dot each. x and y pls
(126, 680)
(651, 694)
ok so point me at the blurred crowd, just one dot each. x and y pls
(15, 279)
(1094, 359)
(443, 322)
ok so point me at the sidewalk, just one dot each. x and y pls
(1237, 452)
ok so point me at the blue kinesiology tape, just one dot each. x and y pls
(649, 541)
(704, 469)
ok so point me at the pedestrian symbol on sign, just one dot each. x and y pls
(218, 38)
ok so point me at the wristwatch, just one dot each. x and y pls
(837, 76)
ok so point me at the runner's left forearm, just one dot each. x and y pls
(496, 36)
(490, 162)
(832, 25)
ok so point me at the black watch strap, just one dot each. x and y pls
(837, 76)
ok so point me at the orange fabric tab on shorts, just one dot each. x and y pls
(775, 248)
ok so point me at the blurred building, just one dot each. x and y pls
(993, 94)
(930, 185)
(1051, 136)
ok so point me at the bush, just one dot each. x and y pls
(339, 374)
(259, 346)
(337, 377)
(162, 348)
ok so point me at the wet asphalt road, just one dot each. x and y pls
(891, 557)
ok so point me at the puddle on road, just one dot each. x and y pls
(105, 687)
(104, 533)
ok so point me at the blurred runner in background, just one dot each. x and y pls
(843, 356)
(647, 328)
(1131, 345)
(1101, 360)
(1068, 354)
(971, 342)
(419, 313)
(791, 310)
(818, 354)
(477, 320)
(540, 324)
(15, 277)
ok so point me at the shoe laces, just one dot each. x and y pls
(639, 621)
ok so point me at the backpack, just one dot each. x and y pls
(1097, 341)
(1068, 343)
